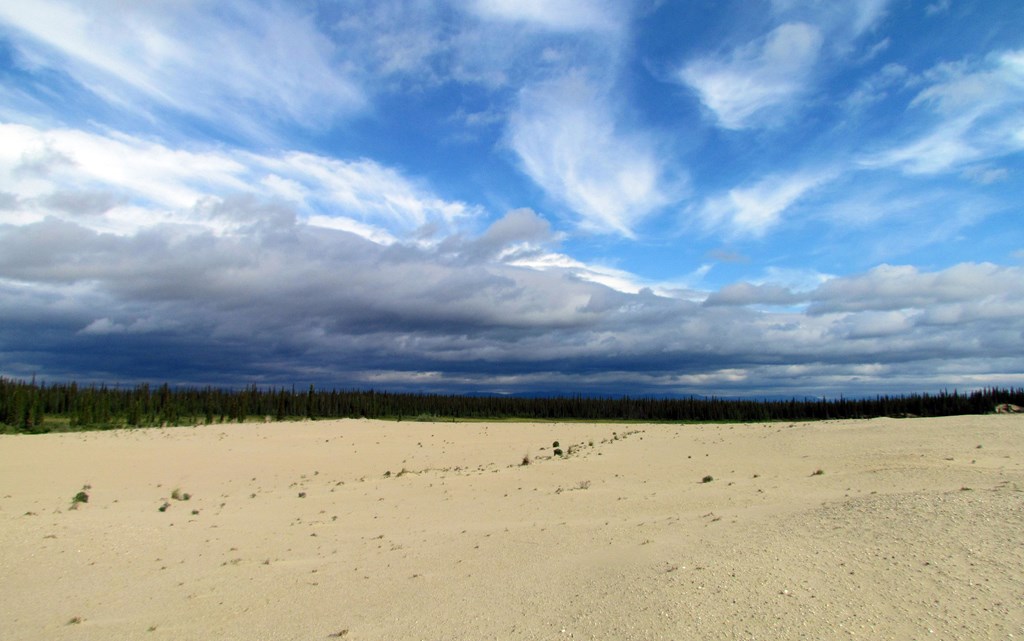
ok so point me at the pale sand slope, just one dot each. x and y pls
(886, 544)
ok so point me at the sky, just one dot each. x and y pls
(709, 197)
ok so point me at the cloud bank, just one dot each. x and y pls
(217, 275)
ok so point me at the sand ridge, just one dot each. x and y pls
(381, 530)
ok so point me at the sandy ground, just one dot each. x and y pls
(368, 530)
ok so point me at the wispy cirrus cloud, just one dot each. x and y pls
(938, 7)
(747, 86)
(976, 112)
(760, 82)
(566, 15)
(756, 209)
(242, 64)
(41, 168)
(845, 21)
(567, 140)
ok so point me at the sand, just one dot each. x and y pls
(368, 530)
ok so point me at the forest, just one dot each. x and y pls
(31, 407)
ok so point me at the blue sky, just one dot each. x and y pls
(750, 197)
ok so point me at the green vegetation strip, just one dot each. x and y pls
(31, 407)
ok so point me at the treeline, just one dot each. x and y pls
(37, 407)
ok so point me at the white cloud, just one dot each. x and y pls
(751, 84)
(986, 175)
(866, 13)
(38, 162)
(796, 279)
(568, 142)
(495, 44)
(896, 287)
(978, 114)
(877, 87)
(889, 298)
(754, 210)
(777, 286)
(343, 223)
(759, 83)
(844, 21)
(875, 325)
(556, 15)
(362, 188)
(147, 182)
(241, 64)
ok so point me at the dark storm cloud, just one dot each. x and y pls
(275, 300)
(242, 290)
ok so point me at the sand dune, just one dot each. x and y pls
(369, 530)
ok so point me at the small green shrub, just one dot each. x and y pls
(557, 452)
(81, 497)
(817, 472)
(707, 479)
